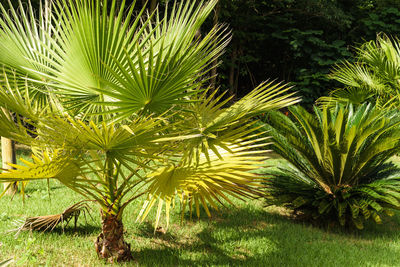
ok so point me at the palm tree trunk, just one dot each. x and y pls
(110, 244)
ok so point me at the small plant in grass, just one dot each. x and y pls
(114, 109)
(338, 163)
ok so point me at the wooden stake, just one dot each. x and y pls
(8, 156)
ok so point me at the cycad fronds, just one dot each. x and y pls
(337, 161)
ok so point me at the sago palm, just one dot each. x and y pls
(374, 76)
(114, 109)
(338, 167)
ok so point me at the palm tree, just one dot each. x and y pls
(374, 76)
(114, 108)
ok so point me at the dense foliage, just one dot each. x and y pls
(338, 169)
(298, 41)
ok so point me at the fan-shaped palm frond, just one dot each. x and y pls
(375, 74)
(355, 96)
(358, 76)
(159, 74)
(125, 65)
(211, 180)
(213, 124)
(24, 41)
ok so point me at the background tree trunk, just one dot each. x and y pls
(153, 5)
(8, 156)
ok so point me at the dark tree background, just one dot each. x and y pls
(295, 41)
(298, 41)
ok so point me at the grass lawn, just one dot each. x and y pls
(249, 235)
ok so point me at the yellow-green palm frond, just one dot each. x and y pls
(94, 32)
(358, 75)
(67, 166)
(119, 141)
(124, 64)
(19, 110)
(267, 96)
(214, 126)
(230, 172)
(17, 97)
(97, 33)
(23, 35)
(355, 96)
(383, 55)
(56, 165)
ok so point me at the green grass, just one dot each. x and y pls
(249, 234)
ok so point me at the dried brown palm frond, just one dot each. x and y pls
(49, 222)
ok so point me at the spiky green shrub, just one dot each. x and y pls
(338, 167)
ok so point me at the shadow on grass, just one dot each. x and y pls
(79, 230)
(253, 237)
(146, 230)
(70, 230)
